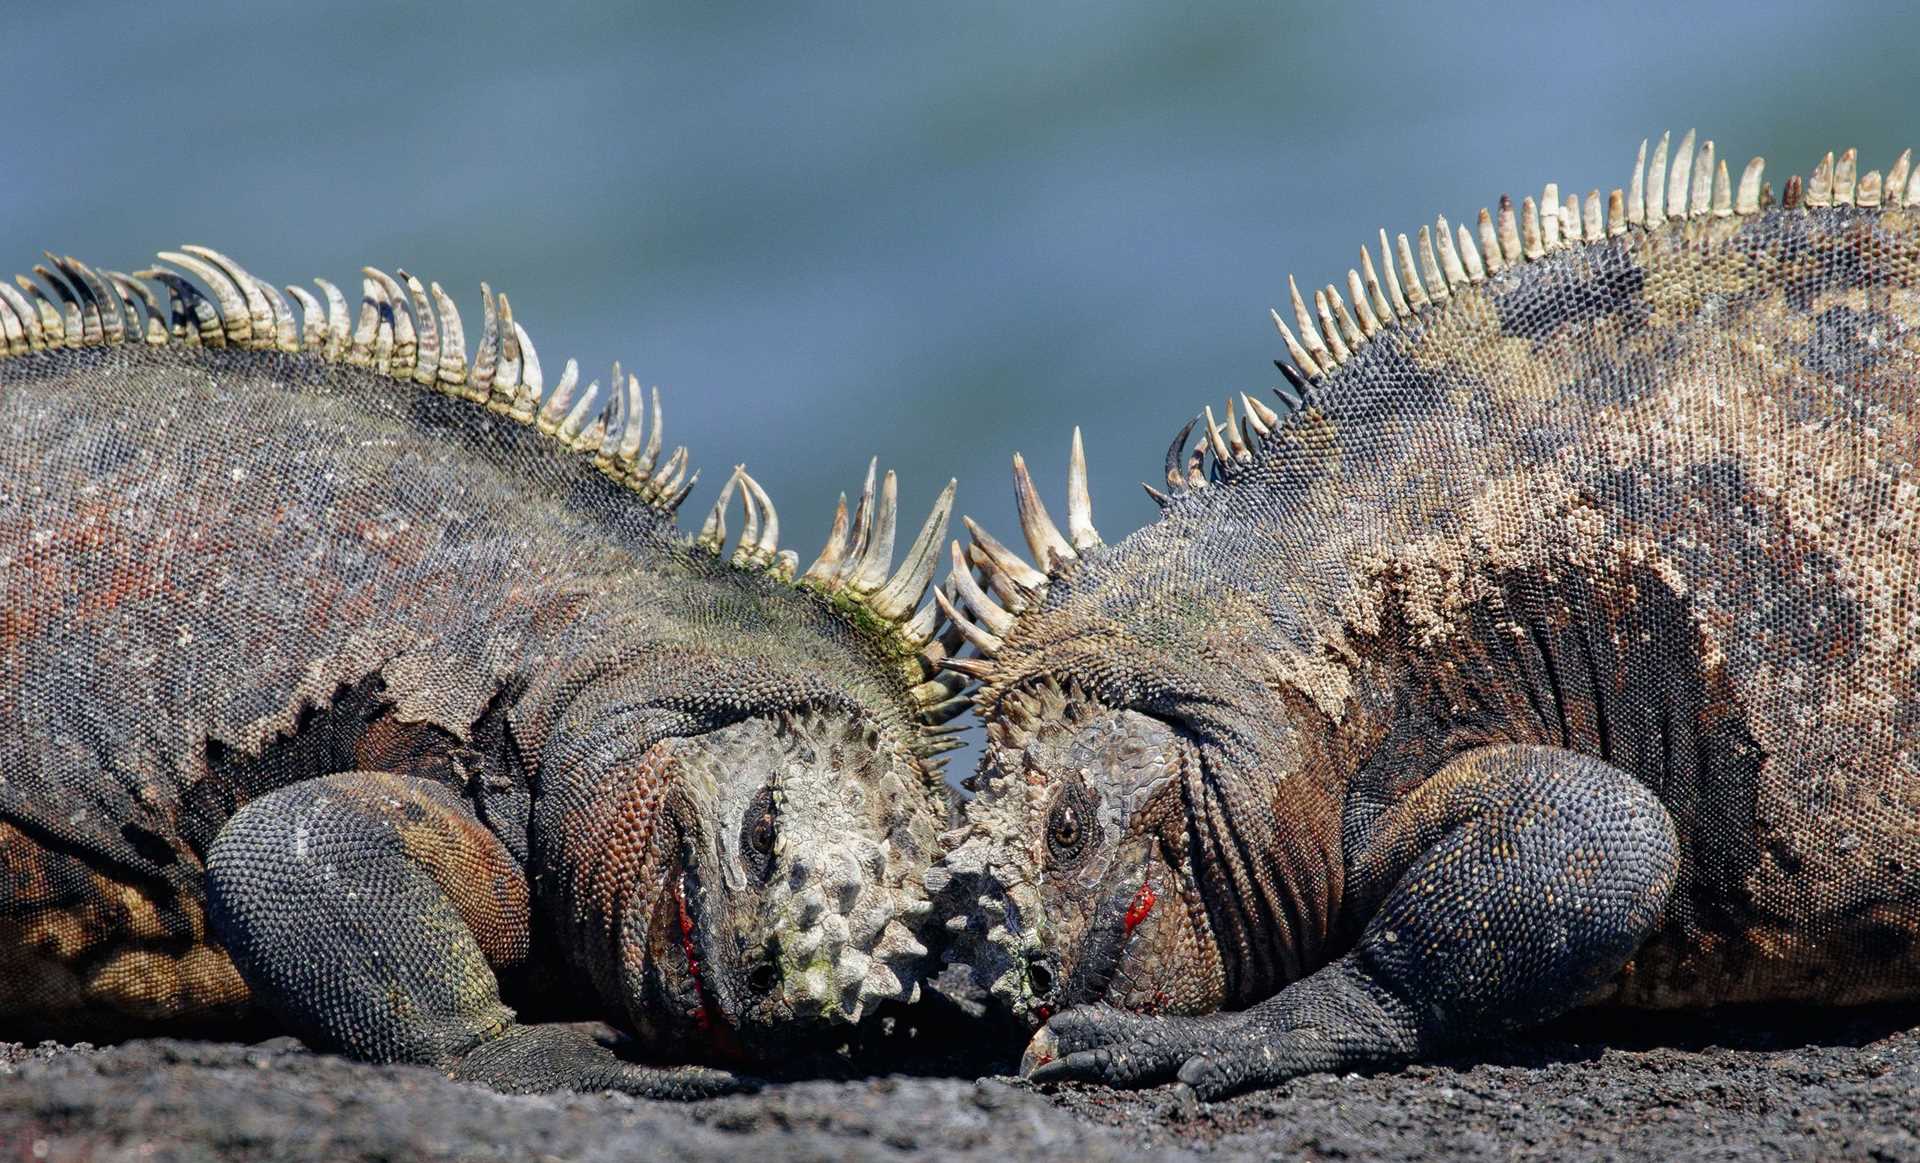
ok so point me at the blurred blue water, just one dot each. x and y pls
(932, 232)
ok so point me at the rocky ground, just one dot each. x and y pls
(1803, 1086)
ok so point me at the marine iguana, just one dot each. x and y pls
(349, 681)
(1558, 645)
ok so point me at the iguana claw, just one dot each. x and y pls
(586, 1057)
(1101, 1044)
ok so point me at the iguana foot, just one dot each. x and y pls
(354, 905)
(1215, 1055)
(585, 1057)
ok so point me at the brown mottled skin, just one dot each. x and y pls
(1563, 647)
(346, 701)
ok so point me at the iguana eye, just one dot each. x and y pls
(758, 828)
(1066, 827)
(1069, 827)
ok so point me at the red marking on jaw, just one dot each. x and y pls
(1141, 906)
(699, 1014)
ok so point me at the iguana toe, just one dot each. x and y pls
(1101, 1044)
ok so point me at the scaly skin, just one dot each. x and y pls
(1559, 648)
(395, 710)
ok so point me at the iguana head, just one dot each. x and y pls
(774, 893)
(735, 793)
(758, 790)
(1071, 880)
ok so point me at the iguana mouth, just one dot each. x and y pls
(702, 1013)
(1116, 932)
(702, 1010)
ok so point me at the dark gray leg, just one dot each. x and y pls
(370, 913)
(1522, 878)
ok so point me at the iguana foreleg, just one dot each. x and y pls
(1521, 879)
(371, 913)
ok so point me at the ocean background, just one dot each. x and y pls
(932, 233)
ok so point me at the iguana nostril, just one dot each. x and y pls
(761, 979)
(1040, 975)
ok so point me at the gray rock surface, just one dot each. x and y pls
(1813, 1086)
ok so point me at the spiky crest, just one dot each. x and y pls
(1677, 189)
(413, 333)
(982, 618)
